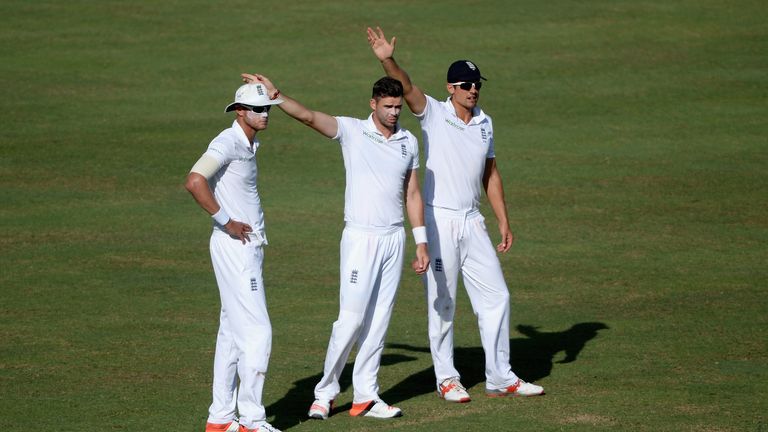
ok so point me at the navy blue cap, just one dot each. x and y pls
(464, 70)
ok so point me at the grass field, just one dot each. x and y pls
(631, 136)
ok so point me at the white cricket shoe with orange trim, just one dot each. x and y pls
(452, 391)
(520, 388)
(374, 408)
(320, 409)
(264, 427)
(232, 426)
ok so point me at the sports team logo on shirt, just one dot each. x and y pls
(403, 150)
(254, 285)
(484, 135)
(353, 277)
(438, 264)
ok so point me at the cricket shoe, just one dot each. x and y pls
(374, 408)
(520, 388)
(264, 427)
(320, 409)
(232, 426)
(452, 391)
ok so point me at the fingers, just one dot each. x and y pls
(375, 36)
(506, 243)
(251, 78)
(420, 266)
(240, 231)
(243, 234)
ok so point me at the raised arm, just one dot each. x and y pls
(494, 188)
(384, 51)
(414, 206)
(319, 121)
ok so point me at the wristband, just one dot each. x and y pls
(221, 217)
(420, 234)
(274, 96)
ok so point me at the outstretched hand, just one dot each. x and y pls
(381, 48)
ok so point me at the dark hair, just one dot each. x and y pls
(387, 87)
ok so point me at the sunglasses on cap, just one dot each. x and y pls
(258, 109)
(467, 85)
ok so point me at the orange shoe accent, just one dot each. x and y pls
(509, 391)
(217, 427)
(322, 408)
(447, 388)
(360, 408)
(513, 387)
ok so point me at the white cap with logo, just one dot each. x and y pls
(252, 95)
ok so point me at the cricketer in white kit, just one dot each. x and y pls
(460, 164)
(224, 183)
(381, 161)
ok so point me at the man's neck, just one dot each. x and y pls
(387, 132)
(250, 132)
(462, 112)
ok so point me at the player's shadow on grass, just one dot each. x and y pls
(292, 408)
(532, 359)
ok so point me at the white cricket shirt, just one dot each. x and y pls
(234, 185)
(375, 171)
(455, 155)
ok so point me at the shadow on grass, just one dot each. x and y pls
(292, 408)
(532, 359)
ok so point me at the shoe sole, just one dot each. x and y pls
(502, 394)
(317, 414)
(372, 415)
(362, 410)
(462, 400)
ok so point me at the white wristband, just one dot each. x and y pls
(221, 217)
(420, 234)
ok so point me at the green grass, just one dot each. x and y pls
(631, 136)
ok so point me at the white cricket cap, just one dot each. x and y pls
(252, 95)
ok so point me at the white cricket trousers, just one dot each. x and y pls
(244, 340)
(459, 242)
(371, 265)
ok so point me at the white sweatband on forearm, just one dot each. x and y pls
(420, 234)
(206, 166)
(221, 217)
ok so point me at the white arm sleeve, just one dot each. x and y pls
(206, 166)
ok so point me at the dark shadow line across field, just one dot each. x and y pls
(532, 359)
